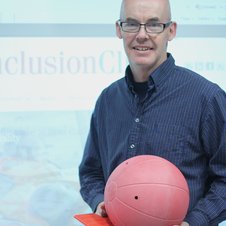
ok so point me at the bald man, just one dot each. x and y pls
(160, 109)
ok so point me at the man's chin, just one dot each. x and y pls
(142, 63)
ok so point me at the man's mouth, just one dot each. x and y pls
(142, 48)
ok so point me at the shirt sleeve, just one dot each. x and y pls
(90, 170)
(211, 209)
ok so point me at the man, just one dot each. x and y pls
(159, 109)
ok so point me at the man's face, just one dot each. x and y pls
(143, 49)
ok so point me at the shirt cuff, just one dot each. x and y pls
(196, 218)
(98, 199)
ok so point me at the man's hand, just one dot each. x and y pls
(101, 211)
(183, 224)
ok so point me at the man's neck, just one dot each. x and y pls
(140, 74)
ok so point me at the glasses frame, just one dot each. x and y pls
(165, 25)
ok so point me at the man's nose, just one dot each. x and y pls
(142, 34)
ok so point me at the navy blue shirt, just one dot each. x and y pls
(182, 118)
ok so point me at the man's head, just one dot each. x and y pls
(145, 48)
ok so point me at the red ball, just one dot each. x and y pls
(146, 190)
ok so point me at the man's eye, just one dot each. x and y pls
(132, 24)
(153, 25)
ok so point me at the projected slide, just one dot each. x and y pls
(48, 11)
(62, 75)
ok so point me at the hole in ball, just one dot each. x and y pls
(136, 197)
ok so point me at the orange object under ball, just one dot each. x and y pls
(146, 190)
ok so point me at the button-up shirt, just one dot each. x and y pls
(182, 118)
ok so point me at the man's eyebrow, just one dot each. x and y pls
(131, 19)
(153, 19)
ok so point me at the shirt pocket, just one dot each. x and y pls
(165, 140)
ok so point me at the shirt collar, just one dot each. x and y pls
(157, 77)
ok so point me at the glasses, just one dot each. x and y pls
(150, 27)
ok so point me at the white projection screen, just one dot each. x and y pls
(55, 58)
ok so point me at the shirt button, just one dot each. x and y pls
(137, 120)
(132, 146)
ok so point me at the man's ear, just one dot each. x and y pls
(172, 31)
(118, 30)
